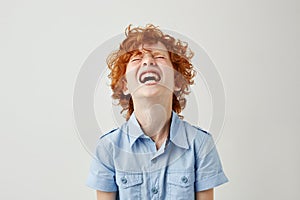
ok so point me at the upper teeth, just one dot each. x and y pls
(149, 76)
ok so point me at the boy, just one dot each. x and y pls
(155, 154)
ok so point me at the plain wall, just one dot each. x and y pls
(254, 44)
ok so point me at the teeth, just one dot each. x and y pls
(149, 77)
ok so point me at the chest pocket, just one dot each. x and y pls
(180, 185)
(129, 185)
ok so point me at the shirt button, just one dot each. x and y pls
(154, 190)
(184, 179)
(123, 180)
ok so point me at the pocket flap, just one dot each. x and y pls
(125, 180)
(182, 179)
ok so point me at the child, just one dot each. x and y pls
(154, 154)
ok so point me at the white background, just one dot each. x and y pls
(254, 45)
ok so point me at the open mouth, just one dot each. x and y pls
(149, 77)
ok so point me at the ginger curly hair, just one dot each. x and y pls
(180, 56)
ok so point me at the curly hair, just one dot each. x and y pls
(180, 56)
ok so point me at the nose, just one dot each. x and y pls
(148, 60)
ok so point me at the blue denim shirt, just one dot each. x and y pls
(127, 161)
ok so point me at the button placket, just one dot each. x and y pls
(154, 190)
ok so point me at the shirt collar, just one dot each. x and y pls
(133, 129)
(177, 131)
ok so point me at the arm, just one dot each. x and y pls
(106, 195)
(101, 176)
(209, 172)
(205, 195)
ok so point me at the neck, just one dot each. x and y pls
(154, 117)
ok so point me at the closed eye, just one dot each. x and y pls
(135, 59)
(159, 57)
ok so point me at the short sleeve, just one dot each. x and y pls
(102, 173)
(209, 171)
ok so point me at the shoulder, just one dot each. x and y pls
(200, 130)
(116, 137)
(194, 130)
(197, 135)
(109, 133)
(108, 139)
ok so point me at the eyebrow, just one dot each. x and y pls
(137, 53)
(153, 52)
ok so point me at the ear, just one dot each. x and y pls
(177, 82)
(176, 88)
(124, 88)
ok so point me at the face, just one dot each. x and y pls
(149, 72)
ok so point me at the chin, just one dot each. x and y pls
(152, 92)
